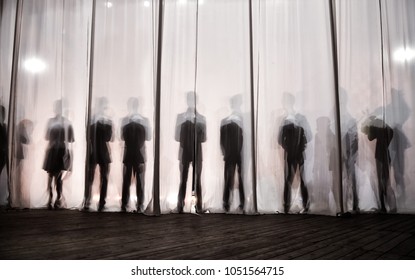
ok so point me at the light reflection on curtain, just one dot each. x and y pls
(51, 97)
(122, 105)
(7, 26)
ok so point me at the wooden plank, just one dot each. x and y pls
(42, 234)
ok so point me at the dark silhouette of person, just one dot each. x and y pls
(191, 133)
(397, 112)
(231, 142)
(100, 133)
(376, 128)
(58, 154)
(134, 132)
(293, 136)
(293, 140)
(4, 145)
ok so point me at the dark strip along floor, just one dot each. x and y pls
(71, 234)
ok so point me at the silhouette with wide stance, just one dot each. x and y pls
(231, 142)
(191, 133)
(134, 132)
(100, 134)
(293, 136)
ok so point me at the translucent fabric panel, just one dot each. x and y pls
(223, 87)
(178, 79)
(376, 78)
(7, 27)
(121, 137)
(51, 102)
(205, 85)
(296, 141)
(360, 81)
(398, 25)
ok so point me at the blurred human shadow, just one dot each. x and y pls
(231, 142)
(324, 144)
(190, 132)
(397, 112)
(376, 128)
(294, 134)
(100, 133)
(350, 146)
(58, 156)
(135, 130)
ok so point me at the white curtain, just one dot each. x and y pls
(399, 58)
(206, 92)
(295, 80)
(123, 83)
(206, 54)
(52, 87)
(376, 63)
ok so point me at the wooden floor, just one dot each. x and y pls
(70, 234)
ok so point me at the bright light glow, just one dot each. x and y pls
(172, 198)
(146, 3)
(201, 2)
(404, 54)
(108, 4)
(34, 65)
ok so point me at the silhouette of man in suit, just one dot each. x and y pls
(134, 132)
(191, 133)
(376, 128)
(231, 142)
(100, 134)
(293, 141)
(293, 137)
(59, 133)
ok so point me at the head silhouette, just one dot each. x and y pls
(102, 105)
(57, 107)
(343, 98)
(236, 102)
(288, 101)
(191, 99)
(133, 105)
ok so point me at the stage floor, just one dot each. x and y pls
(71, 234)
